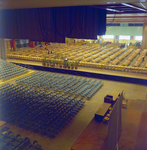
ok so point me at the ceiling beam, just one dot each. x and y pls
(126, 20)
(145, 17)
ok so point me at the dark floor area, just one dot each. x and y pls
(134, 130)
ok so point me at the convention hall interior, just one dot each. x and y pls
(73, 75)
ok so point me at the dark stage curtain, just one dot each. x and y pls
(53, 24)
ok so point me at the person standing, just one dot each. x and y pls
(142, 58)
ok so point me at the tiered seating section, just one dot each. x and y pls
(65, 84)
(99, 57)
(8, 70)
(10, 141)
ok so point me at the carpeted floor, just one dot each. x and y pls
(134, 130)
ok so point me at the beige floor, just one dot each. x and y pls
(67, 137)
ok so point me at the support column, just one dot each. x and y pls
(144, 37)
(2, 49)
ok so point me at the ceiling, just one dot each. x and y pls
(16, 4)
(117, 10)
(124, 8)
(126, 12)
(127, 18)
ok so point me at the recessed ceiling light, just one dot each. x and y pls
(113, 10)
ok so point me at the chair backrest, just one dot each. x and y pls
(4, 129)
(35, 142)
(18, 135)
(10, 132)
(7, 134)
(26, 139)
(30, 146)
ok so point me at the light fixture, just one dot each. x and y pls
(142, 5)
(133, 6)
(113, 10)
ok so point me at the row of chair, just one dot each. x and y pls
(10, 141)
(40, 111)
(58, 83)
(93, 91)
(8, 70)
(90, 89)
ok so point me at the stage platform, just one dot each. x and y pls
(121, 76)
